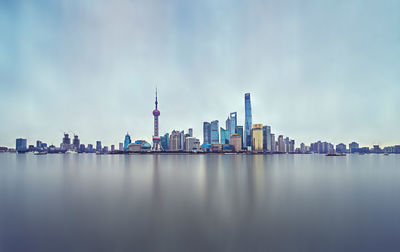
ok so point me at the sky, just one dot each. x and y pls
(316, 70)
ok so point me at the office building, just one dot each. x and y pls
(353, 147)
(239, 130)
(38, 144)
(281, 144)
(232, 123)
(90, 148)
(236, 141)
(20, 145)
(182, 140)
(291, 146)
(174, 141)
(98, 146)
(286, 142)
(76, 142)
(192, 144)
(66, 143)
(112, 147)
(224, 136)
(257, 137)
(248, 120)
(273, 143)
(81, 148)
(214, 131)
(127, 141)
(165, 141)
(341, 148)
(206, 133)
(228, 125)
(121, 146)
(190, 132)
(267, 138)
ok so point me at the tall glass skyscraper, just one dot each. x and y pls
(267, 138)
(165, 141)
(248, 120)
(127, 142)
(233, 123)
(239, 130)
(214, 131)
(206, 133)
(224, 136)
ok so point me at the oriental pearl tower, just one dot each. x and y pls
(156, 137)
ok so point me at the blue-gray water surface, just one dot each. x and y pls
(86, 202)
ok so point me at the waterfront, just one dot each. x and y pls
(199, 202)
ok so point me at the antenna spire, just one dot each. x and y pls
(156, 99)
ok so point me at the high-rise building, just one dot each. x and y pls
(192, 144)
(121, 147)
(165, 141)
(239, 130)
(20, 145)
(66, 142)
(190, 132)
(127, 141)
(38, 144)
(98, 146)
(182, 140)
(341, 148)
(112, 147)
(236, 141)
(214, 131)
(174, 141)
(281, 144)
(248, 120)
(81, 148)
(232, 123)
(286, 142)
(224, 136)
(302, 148)
(291, 146)
(228, 125)
(353, 147)
(156, 137)
(267, 138)
(273, 143)
(206, 133)
(90, 147)
(76, 142)
(257, 137)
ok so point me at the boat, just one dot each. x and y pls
(71, 152)
(39, 153)
(386, 154)
(335, 154)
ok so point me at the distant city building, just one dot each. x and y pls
(192, 144)
(90, 148)
(121, 146)
(174, 141)
(227, 148)
(66, 143)
(291, 146)
(287, 143)
(81, 148)
(248, 120)
(281, 144)
(105, 149)
(341, 148)
(98, 146)
(214, 131)
(273, 143)
(76, 142)
(228, 126)
(233, 123)
(302, 148)
(376, 149)
(190, 132)
(165, 141)
(20, 145)
(206, 133)
(38, 144)
(257, 137)
(217, 147)
(127, 141)
(182, 140)
(239, 130)
(112, 147)
(236, 142)
(267, 138)
(353, 146)
(224, 136)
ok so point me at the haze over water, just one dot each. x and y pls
(199, 202)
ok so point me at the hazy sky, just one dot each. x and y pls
(326, 70)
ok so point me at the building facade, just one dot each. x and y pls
(248, 120)
(257, 137)
(214, 131)
(206, 133)
(267, 138)
(224, 136)
(232, 123)
(236, 141)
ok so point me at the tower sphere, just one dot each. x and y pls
(156, 112)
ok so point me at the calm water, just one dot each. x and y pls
(199, 203)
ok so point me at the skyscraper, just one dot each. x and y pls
(121, 146)
(236, 141)
(239, 130)
(156, 138)
(174, 141)
(257, 137)
(214, 131)
(20, 145)
(248, 120)
(165, 141)
(206, 133)
(127, 141)
(267, 138)
(232, 123)
(228, 125)
(98, 146)
(76, 142)
(190, 132)
(224, 136)
(281, 144)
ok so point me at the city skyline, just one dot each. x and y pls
(92, 69)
